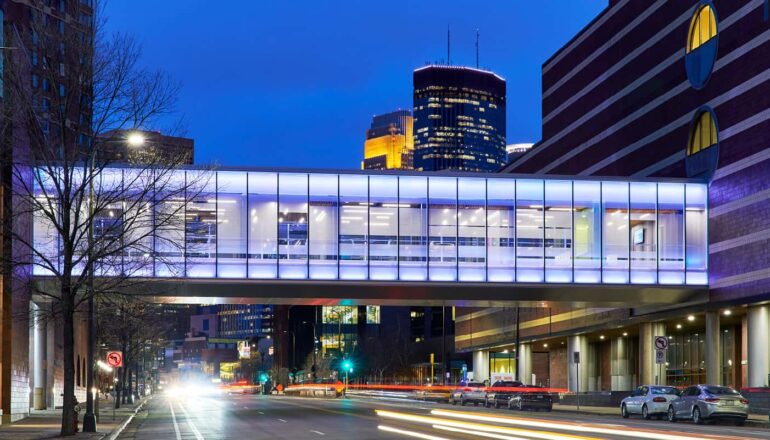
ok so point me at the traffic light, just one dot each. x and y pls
(263, 377)
(347, 365)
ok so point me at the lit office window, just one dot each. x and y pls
(643, 223)
(704, 133)
(138, 258)
(442, 217)
(501, 218)
(529, 231)
(558, 231)
(169, 257)
(413, 228)
(671, 233)
(703, 28)
(354, 227)
(263, 225)
(323, 226)
(201, 225)
(383, 228)
(372, 314)
(108, 224)
(231, 224)
(615, 235)
(292, 225)
(471, 215)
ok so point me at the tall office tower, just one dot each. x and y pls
(389, 142)
(240, 321)
(459, 119)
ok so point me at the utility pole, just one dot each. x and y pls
(477, 48)
(516, 348)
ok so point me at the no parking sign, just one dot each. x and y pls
(115, 359)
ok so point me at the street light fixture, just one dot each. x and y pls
(135, 139)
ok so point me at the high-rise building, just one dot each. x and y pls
(459, 119)
(118, 146)
(235, 320)
(515, 151)
(389, 142)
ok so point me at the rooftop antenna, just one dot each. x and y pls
(477, 48)
(448, 47)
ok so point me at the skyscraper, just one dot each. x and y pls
(459, 119)
(389, 142)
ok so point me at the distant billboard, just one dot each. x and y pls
(244, 350)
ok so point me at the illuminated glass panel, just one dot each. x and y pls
(231, 224)
(201, 225)
(558, 231)
(501, 218)
(292, 225)
(170, 231)
(471, 215)
(529, 231)
(442, 244)
(615, 235)
(138, 226)
(644, 248)
(383, 227)
(671, 233)
(587, 231)
(323, 226)
(704, 134)
(696, 218)
(413, 228)
(354, 227)
(263, 225)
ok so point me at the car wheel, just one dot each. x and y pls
(696, 416)
(462, 401)
(452, 401)
(645, 413)
(671, 415)
(486, 404)
(497, 404)
(740, 422)
(475, 403)
(624, 411)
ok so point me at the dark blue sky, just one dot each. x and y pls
(295, 83)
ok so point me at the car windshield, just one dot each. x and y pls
(721, 390)
(475, 385)
(508, 384)
(664, 390)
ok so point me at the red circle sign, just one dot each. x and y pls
(115, 359)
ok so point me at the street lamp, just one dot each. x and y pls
(347, 365)
(135, 139)
(315, 341)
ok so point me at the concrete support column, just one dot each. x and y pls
(758, 348)
(480, 365)
(622, 367)
(713, 349)
(39, 348)
(578, 373)
(525, 363)
(649, 371)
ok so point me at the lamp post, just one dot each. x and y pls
(134, 139)
(315, 341)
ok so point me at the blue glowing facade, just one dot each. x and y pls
(417, 227)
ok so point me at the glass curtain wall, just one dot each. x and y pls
(408, 228)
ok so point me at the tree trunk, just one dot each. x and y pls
(118, 388)
(130, 396)
(68, 409)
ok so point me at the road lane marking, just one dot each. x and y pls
(414, 434)
(261, 412)
(190, 423)
(317, 432)
(282, 420)
(173, 418)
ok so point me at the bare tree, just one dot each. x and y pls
(97, 228)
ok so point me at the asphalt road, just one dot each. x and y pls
(278, 417)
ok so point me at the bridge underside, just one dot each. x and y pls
(303, 292)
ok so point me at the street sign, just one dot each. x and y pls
(115, 359)
(660, 356)
(575, 357)
(661, 343)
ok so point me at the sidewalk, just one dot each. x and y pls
(46, 424)
(755, 420)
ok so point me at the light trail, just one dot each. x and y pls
(477, 433)
(575, 427)
(480, 426)
(414, 434)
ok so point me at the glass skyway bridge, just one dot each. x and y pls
(420, 227)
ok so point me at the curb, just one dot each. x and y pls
(117, 431)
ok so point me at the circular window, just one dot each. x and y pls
(703, 145)
(701, 50)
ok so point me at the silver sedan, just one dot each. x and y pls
(649, 401)
(708, 402)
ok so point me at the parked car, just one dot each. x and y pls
(472, 392)
(531, 399)
(501, 392)
(649, 401)
(709, 402)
